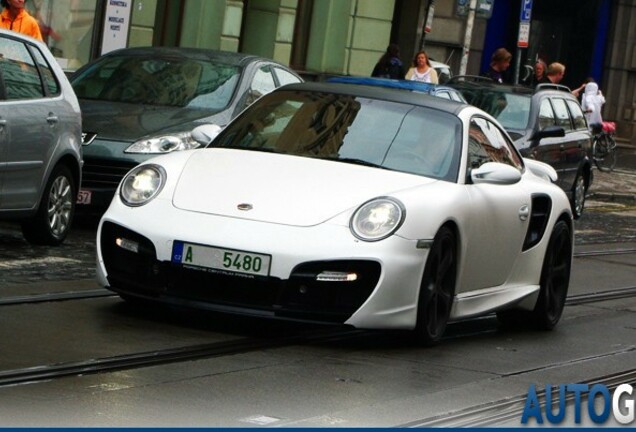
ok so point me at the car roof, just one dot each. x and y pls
(479, 82)
(390, 83)
(383, 93)
(226, 57)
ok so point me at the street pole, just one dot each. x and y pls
(428, 22)
(468, 36)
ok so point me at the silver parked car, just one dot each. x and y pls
(40, 140)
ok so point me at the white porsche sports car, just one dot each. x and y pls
(372, 207)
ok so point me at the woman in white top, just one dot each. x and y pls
(422, 70)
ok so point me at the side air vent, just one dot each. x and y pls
(540, 213)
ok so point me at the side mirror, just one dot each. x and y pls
(204, 134)
(548, 132)
(541, 169)
(495, 173)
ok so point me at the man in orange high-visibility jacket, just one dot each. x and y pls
(15, 18)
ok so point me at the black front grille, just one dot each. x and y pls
(104, 173)
(300, 297)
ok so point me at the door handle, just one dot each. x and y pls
(524, 212)
(3, 122)
(52, 119)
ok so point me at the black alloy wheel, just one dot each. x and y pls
(437, 288)
(555, 278)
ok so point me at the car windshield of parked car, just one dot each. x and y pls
(512, 110)
(176, 82)
(351, 129)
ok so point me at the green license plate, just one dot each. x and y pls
(221, 259)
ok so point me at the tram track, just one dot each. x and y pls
(495, 413)
(227, 348)
(167, 356)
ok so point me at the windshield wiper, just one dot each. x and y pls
(354, 161)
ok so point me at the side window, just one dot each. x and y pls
(262, 83)
(546, 114)
(20, 74)
(443, 94)
(47, 73)
(456, 97)
(486, 143)
(285, 77)
(577, 115)
(562, 114)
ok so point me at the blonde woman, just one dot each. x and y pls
(422, 70)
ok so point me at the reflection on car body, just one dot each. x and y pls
(140, 102)
(347, 204)
(438, 90)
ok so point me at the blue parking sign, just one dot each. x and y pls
(526, 10)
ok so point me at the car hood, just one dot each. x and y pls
(129, 122)
(282, 189)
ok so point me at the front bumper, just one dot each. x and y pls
(384, 295)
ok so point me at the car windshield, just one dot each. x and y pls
(511, 109)
(177, 82)
(350, 129)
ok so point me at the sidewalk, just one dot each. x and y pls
(620, 184)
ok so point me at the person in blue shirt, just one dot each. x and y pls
(389, 65)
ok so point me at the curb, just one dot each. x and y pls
(613, 196)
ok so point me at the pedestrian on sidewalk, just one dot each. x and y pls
(422, 70)
(390, 65)
(592, 104)
(14, 17)
(499, 64)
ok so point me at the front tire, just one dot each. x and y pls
(52, 222)
(577, 202)
(437, 288)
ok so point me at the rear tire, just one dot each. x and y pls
(437, 288)
(555, 279)
(52, 222)
(604, 153)
(554, 282)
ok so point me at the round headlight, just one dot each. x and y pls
(142, 184)
(377, 219)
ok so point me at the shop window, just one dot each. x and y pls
(67, 28)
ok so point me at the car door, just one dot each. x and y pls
(550, 150)
(579, 142)
(570, 146)
(496, 228)
(29, 122)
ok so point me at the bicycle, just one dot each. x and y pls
(604, 146)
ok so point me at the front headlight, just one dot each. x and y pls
(377, 219)
(142, 184)
(164, 144)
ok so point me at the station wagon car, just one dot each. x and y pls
(546, 124)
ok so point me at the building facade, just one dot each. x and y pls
(593, 38)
